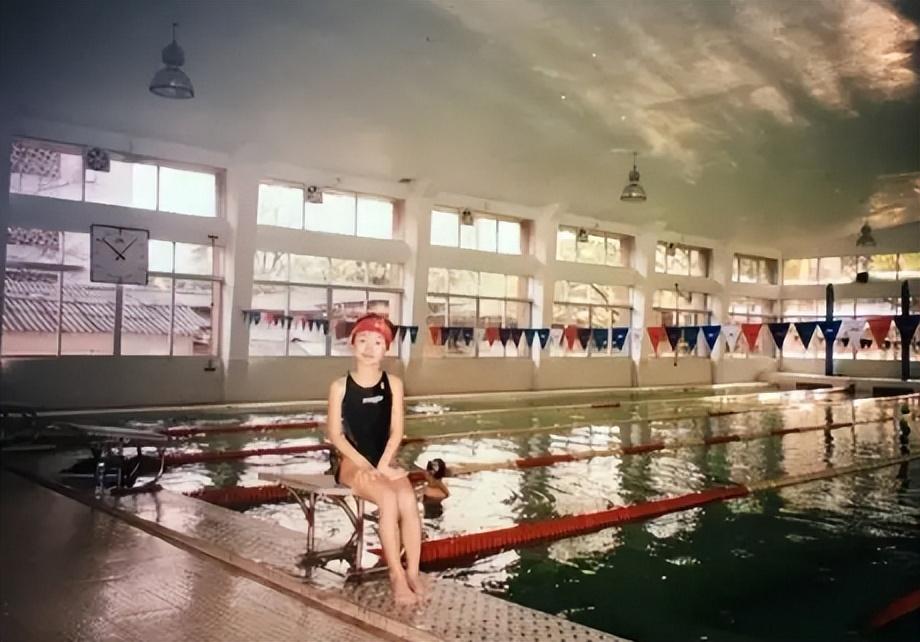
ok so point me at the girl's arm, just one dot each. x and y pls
(334, 427)
(396, 425)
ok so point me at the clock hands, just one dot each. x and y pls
(133, 241)
(114, 249)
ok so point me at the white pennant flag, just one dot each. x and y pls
(555, 336)
(731, 332)
(853, 329)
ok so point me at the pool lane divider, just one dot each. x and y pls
(220, 429)
(475, 545)
(895, 610)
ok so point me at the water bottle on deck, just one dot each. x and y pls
(100, 477)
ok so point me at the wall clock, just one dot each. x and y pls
(118, 254)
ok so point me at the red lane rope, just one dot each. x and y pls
(178, 459)
(217, 429)
(495, 541)
(897, 609)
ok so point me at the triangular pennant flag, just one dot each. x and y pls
(852, 331)
(571, 335)
(907, 325)
(691, 334)
(655, 335)
(711, 334)
(830, 329)
(453, 333)
(600, 338)
(879, 326)
(751, 332)
(257, 316)
(491, 335)
(504, 335)
(731, 332)
(779, 331)
(673, 333)
(516, 334)
(401, 332)
(557, 335)
(268, 317)
(618, 336)
(435, 332)
(467, 334)
(584, 337)
(529, 334)
(805, 330)
(543, 336)
(303, 323)
(413, 333)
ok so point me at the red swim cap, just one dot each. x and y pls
(373, 323)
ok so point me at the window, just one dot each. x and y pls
(284, 205)
(843, 269)
(685, 309)
(52, 308)
(673, 258)
(753, 269)
(475, 231)
(748, 310)
(590, 305)
(596, 247)
(300, 290)
(464, 298)
(57, 171)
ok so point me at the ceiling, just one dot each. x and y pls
(754, 121)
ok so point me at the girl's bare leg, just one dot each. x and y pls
(381, 493)
(410, 528)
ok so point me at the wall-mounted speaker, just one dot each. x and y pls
(862, 277)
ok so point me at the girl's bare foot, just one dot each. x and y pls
(403, 595)
(419, 584)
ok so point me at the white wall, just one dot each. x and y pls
(109, 381)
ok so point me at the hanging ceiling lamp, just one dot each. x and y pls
(171, 81)
(633, 192)
(865, 236)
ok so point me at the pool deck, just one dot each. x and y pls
(202, 586)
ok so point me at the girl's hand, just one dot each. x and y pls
(367, 474)
(392, 472)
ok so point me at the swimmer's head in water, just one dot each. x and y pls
(437, 468)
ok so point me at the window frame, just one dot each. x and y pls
(704, 254)
(624, 240)
(523, 226)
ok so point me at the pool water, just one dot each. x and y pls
(813, 561)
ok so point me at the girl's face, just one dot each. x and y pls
(369, 348)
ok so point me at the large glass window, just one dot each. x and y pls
(590, 305)
(286, 205)
(750, 310)
(599, 248)
(753, 269)
(843, 269)
(672, 308)
(479, 300)
(476, 231)
(293, 293)
(684, 260)
(57, 170)
(52, 308)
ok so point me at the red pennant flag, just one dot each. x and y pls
(656, 333)
(751, 332)
(491, 335)
(268, 317)
(435, 331)
(571, 335)
(880, 327)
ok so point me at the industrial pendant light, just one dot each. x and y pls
(633, 192)
(865, 236)
(171, 81)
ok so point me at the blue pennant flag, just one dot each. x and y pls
(673, 333)
(529, 334)
(413, 333)
(543, 335)
(600, 338)
(806, 330)
(907, 325)
(448, 334)
(691, 334)
(779, 332)
(830, 329)
(504, 335)
(711, 334)
(619, 337)
(584, 336)
(516, 334)
(467, 334)
(401, 332)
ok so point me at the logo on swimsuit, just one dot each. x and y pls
(376, 399)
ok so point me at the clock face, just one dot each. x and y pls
(118, 254)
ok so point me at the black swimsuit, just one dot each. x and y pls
(366, 417)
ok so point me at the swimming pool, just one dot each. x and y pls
(812, 561)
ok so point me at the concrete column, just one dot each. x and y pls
(416, 230)
(643, 261)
